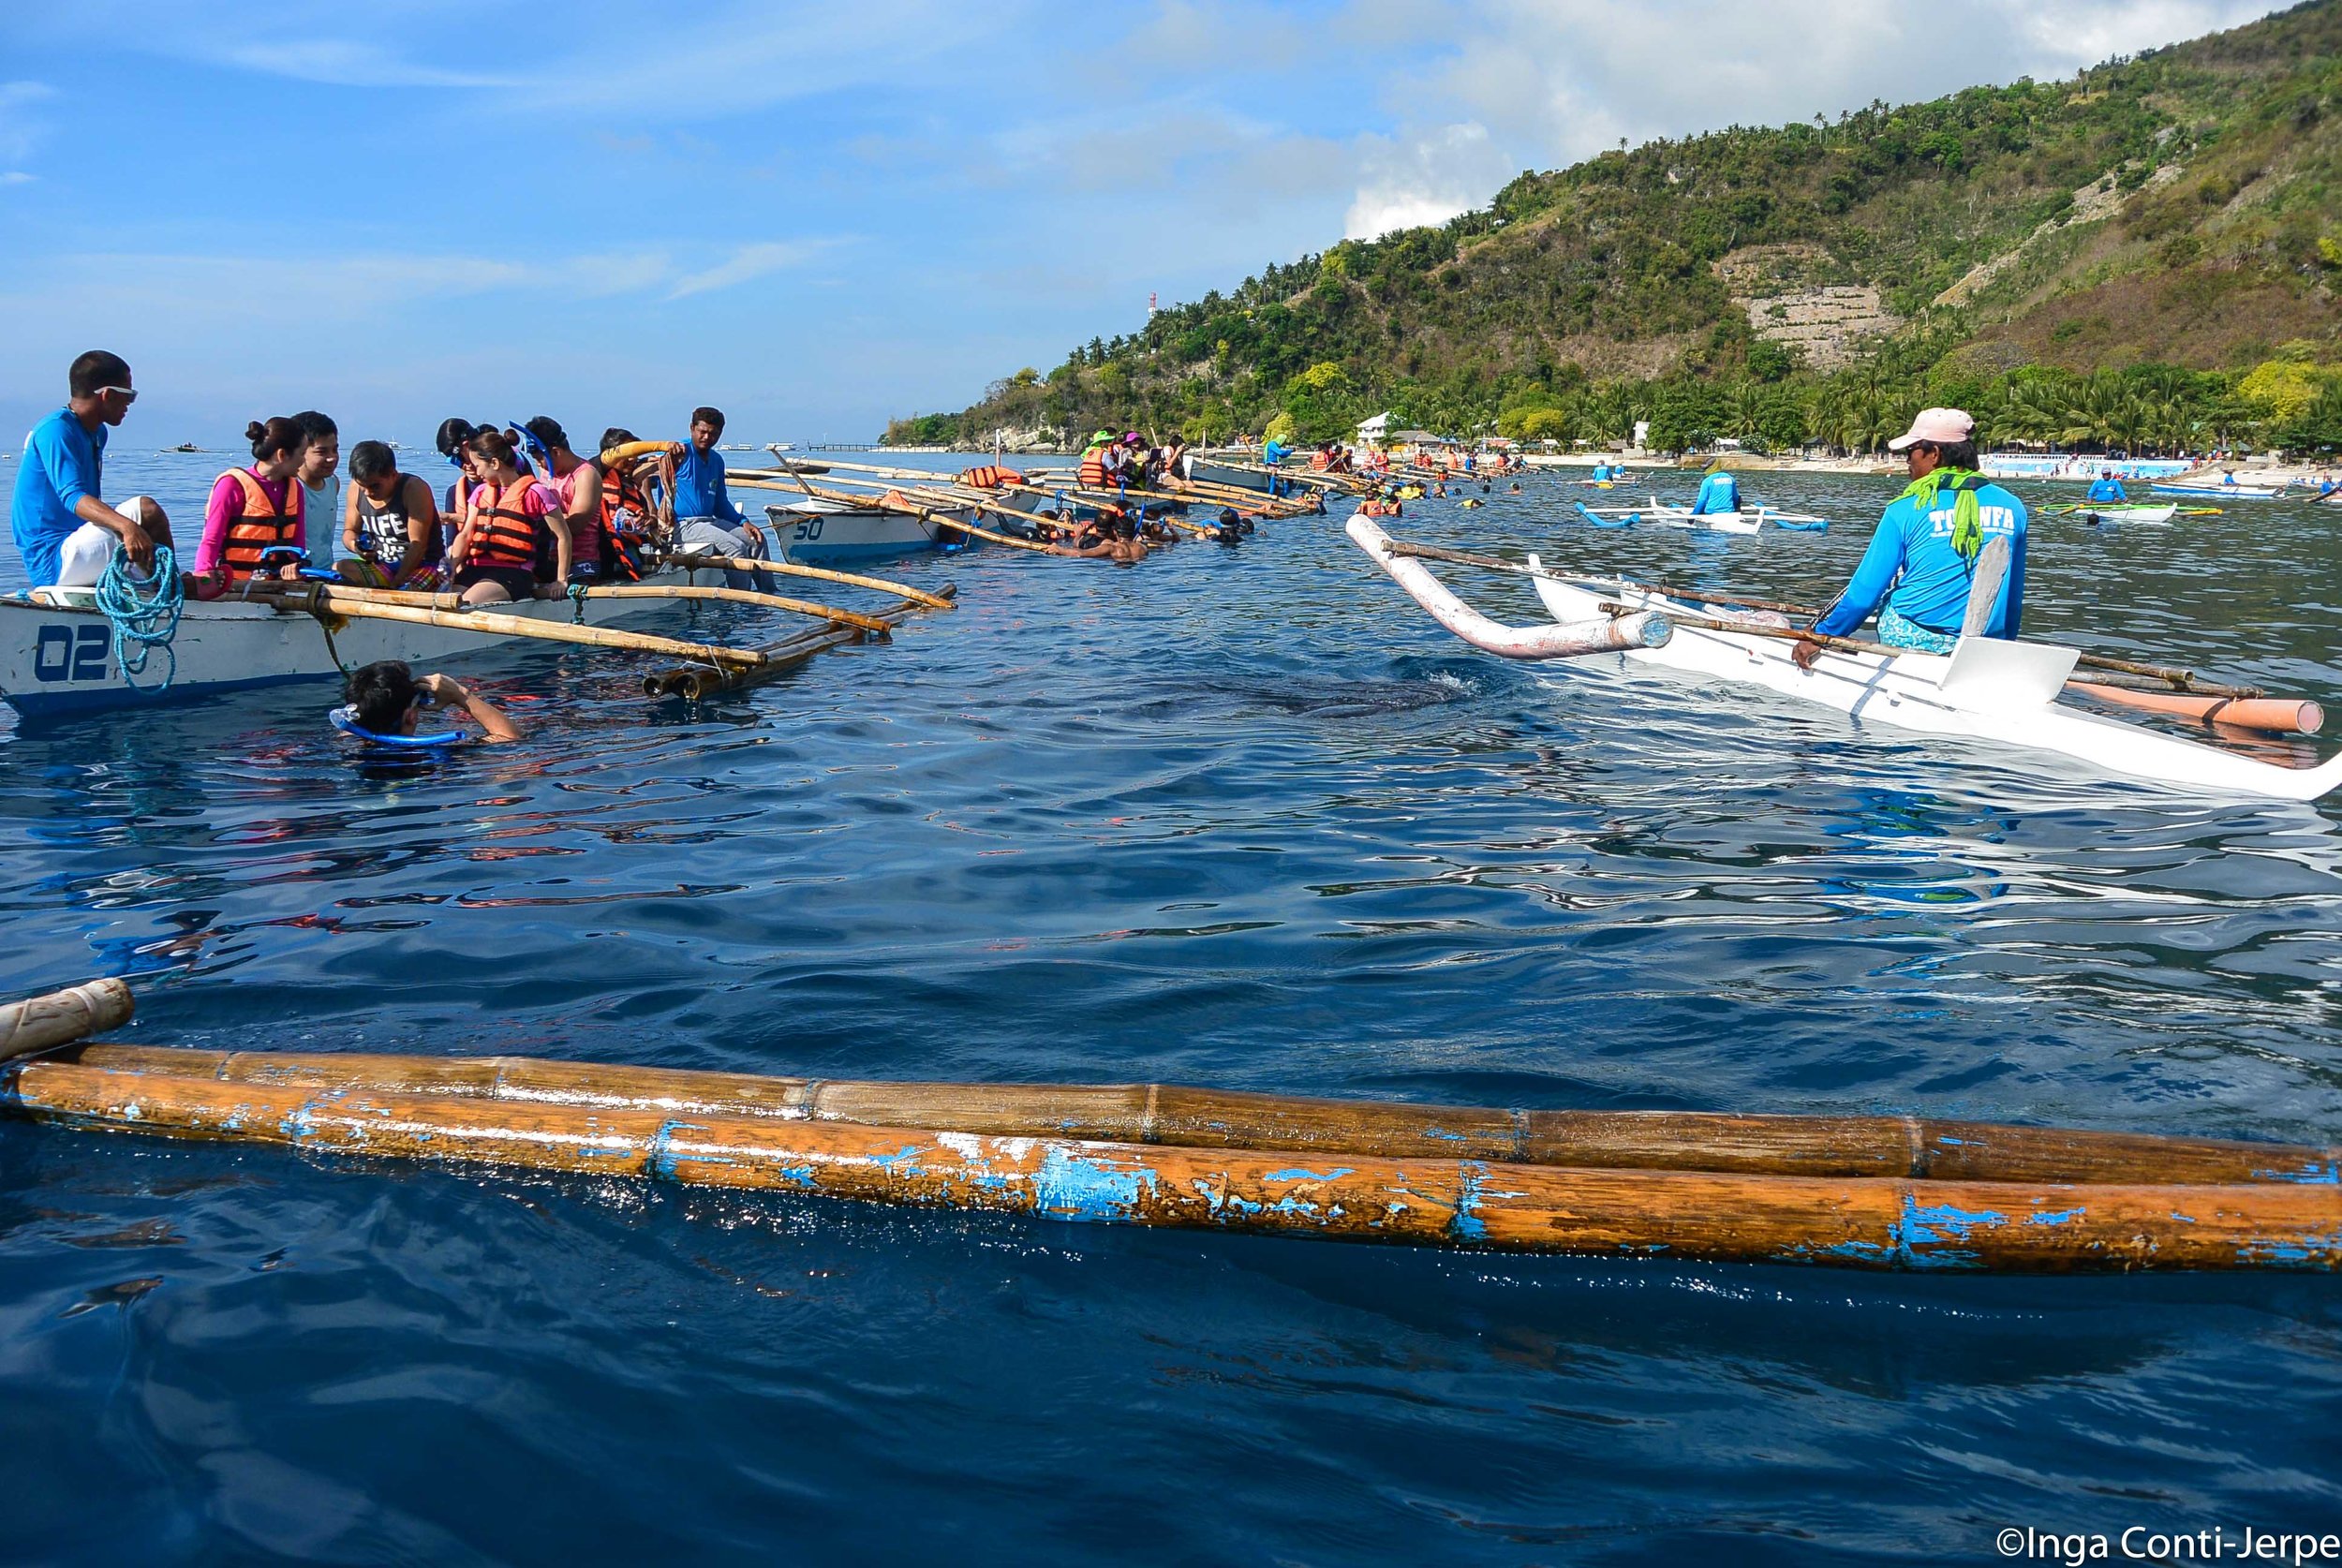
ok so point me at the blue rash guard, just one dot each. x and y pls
(699, 487)
(63, 463)
(1274, 453)
(1719, 491)
(2107, 490)
(1912, 569)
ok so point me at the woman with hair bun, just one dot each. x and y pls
(255, 524)
(503, 551)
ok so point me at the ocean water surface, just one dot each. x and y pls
(1238, 817)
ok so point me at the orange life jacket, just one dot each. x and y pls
(991, 478)
(262, 525)
(1380, 508)
(1319, 461)
(504, 534)
(1092, 473)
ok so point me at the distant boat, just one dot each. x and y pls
(2220, 492)
(187, 446)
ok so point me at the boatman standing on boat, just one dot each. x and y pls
(66, 534)
(1915, 574)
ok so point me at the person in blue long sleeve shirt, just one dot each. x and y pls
(705, 521)
(1915, 575)
(2107, 488)
(1719, 492)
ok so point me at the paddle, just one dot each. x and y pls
(1991, 571)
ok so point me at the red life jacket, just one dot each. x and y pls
(991, 478)
(505, 533)
(262, 525)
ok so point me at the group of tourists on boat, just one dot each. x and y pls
(526, 516)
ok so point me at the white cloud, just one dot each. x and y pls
(1424, 180)
(747, 263)
(344, 63)
(22, 125)
(16, 177)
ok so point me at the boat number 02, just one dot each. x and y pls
(809, 529)
(71, 653)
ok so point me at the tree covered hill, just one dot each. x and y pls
(2148, 254)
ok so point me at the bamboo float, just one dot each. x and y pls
(490, 625)
(1610, 634)
(39, 1023)
(791, 569)
(1912, 1147)
(1864, 1222)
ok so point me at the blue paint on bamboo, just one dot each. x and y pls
(1472, 1175)
(1297, 1173)
(2061, 1216)
(2322, 1172)
(1923, 1232)
(1074, 1184)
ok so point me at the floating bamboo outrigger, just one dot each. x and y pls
(1872, 1192)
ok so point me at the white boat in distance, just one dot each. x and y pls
(1986, 689)
(1667, 514)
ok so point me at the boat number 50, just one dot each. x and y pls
(809, 528)
(71, 653)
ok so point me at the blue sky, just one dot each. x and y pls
(814, 217)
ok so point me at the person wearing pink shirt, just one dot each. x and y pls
(254, 526)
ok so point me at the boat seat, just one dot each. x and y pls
(1993, 671)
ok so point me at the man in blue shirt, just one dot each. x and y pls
(2107, 488)
(705, 521)
(66, 534)
(1915, 574)
(1719, 492)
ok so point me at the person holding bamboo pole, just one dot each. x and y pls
(705, 520)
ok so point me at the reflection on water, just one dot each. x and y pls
(1247, 819)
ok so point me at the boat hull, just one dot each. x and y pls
(58, 659)
(828, 532)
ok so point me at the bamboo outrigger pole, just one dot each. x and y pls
(1871, 1222)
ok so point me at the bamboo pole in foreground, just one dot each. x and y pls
(1879, 1223)
(739, 595)
(701, 679)
(487, 623)
(37, 1023)
(1873, 1147)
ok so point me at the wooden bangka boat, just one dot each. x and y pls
(1667, 514)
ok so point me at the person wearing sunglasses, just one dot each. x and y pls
(63, 531)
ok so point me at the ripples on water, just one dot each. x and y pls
(1238, 818)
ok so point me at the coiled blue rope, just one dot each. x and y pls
(144, 615)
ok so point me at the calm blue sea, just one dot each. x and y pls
(1242, 819)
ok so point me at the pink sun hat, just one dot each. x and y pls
(1941, 426)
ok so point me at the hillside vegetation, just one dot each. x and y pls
(2146, 255)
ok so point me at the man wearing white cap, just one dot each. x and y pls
(1915, 574)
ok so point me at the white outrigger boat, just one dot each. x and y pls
(1986, 689)
(2119, 511)
(57, 654)
(1668, 514)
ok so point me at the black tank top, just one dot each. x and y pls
(383, 530)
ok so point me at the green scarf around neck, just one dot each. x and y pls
(1967, 522)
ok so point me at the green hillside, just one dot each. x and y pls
(2146, 255)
